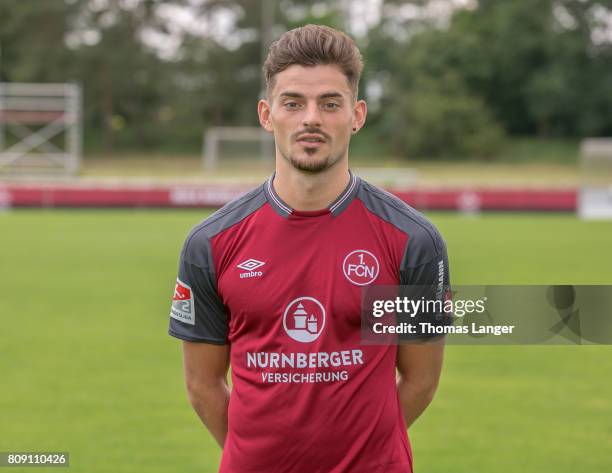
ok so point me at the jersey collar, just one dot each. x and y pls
(335, 208)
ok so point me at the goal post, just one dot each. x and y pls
(262, 144)
(595, 195)
(257, 143)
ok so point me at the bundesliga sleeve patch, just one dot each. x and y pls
(183, 308)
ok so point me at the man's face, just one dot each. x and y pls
(312, 114)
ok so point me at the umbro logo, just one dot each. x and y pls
(250, 266)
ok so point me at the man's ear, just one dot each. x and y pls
(263, 111)
(359, 115)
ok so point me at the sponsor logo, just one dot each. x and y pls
(317, 360)
(304, 319)
(360, 267)
(250, 266)
(183, 308)
(292, 367)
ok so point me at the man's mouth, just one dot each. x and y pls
(311, 140)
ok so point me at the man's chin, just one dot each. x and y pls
(311, 165)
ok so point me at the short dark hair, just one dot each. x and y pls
(313, 45)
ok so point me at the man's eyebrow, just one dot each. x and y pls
(326, 95)
(331, 95)
(292, 94)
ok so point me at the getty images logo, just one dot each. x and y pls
(250, 266)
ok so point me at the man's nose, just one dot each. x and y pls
(312, 118)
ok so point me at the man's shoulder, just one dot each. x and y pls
(227, 216)
(423, 236)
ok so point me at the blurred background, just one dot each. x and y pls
(447, 81)
(493, 117)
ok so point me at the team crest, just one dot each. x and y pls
(360, 267)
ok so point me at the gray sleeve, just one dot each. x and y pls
(425, 275)
(425, 262)
(197, 313)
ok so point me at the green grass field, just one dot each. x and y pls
(87, 366)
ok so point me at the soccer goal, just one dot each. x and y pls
(40, 128)
(595, 196)
(249, 151)
(237, 147)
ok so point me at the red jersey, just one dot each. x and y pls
(283, 289)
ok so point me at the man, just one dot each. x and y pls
(271, 285)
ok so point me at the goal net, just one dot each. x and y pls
(238, 149)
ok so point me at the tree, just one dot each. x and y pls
(427, 109)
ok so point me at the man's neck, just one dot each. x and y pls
(307, 192)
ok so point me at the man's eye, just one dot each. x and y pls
(331, 105)
(291, 105)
